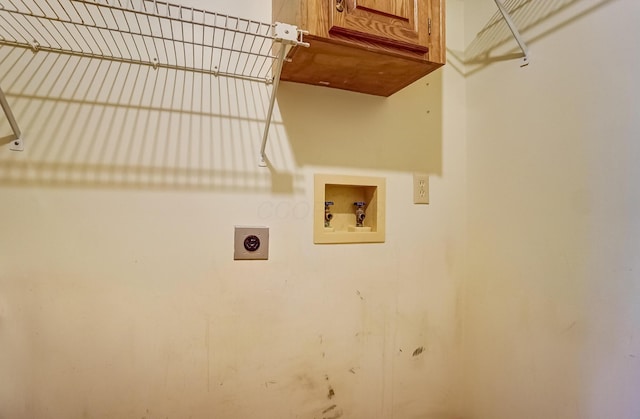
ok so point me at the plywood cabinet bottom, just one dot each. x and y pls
(343, 65)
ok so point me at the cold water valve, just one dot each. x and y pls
(360, 215)
(327, 213)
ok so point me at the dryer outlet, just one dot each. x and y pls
(251, 243)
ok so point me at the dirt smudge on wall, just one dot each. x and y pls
(306, 381)
(335, 413)
(418, 351)
(333, 406)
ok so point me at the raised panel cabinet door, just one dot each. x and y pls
(402, 24)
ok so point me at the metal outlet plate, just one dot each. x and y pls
(251, 243)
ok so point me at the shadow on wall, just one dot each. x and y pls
(535, 19)
(97, 123)
(332, 127)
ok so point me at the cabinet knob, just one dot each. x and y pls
(340, 5)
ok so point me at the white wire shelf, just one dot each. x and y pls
(153, 33)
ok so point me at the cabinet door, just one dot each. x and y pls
(402, 24)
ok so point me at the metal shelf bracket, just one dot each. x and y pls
(515, 32)
(15, 140)
(286, 35)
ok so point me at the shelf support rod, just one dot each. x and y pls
(272, 103)
(514, 31)
(16, 138)
(285, 35)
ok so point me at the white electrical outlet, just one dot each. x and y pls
(251, 243)
(420, 188)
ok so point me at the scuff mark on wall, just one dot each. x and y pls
(333, 406)
(571, 326)
(306, 381)
(335, 413)
(207, 338)
(418, 351)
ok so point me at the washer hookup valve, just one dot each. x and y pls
(327, 214)
(360, 215)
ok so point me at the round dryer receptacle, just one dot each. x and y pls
(252, 243)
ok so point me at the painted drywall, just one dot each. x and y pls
(119, 295)
(551, 301)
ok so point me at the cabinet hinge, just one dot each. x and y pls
(429, 25)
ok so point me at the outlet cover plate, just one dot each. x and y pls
(420, 188)
(251, 243)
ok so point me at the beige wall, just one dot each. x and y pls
(552, 314)
(119, 296)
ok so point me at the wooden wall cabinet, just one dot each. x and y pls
(369, 46)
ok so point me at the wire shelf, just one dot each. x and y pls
(146, 32)
(150, 32)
